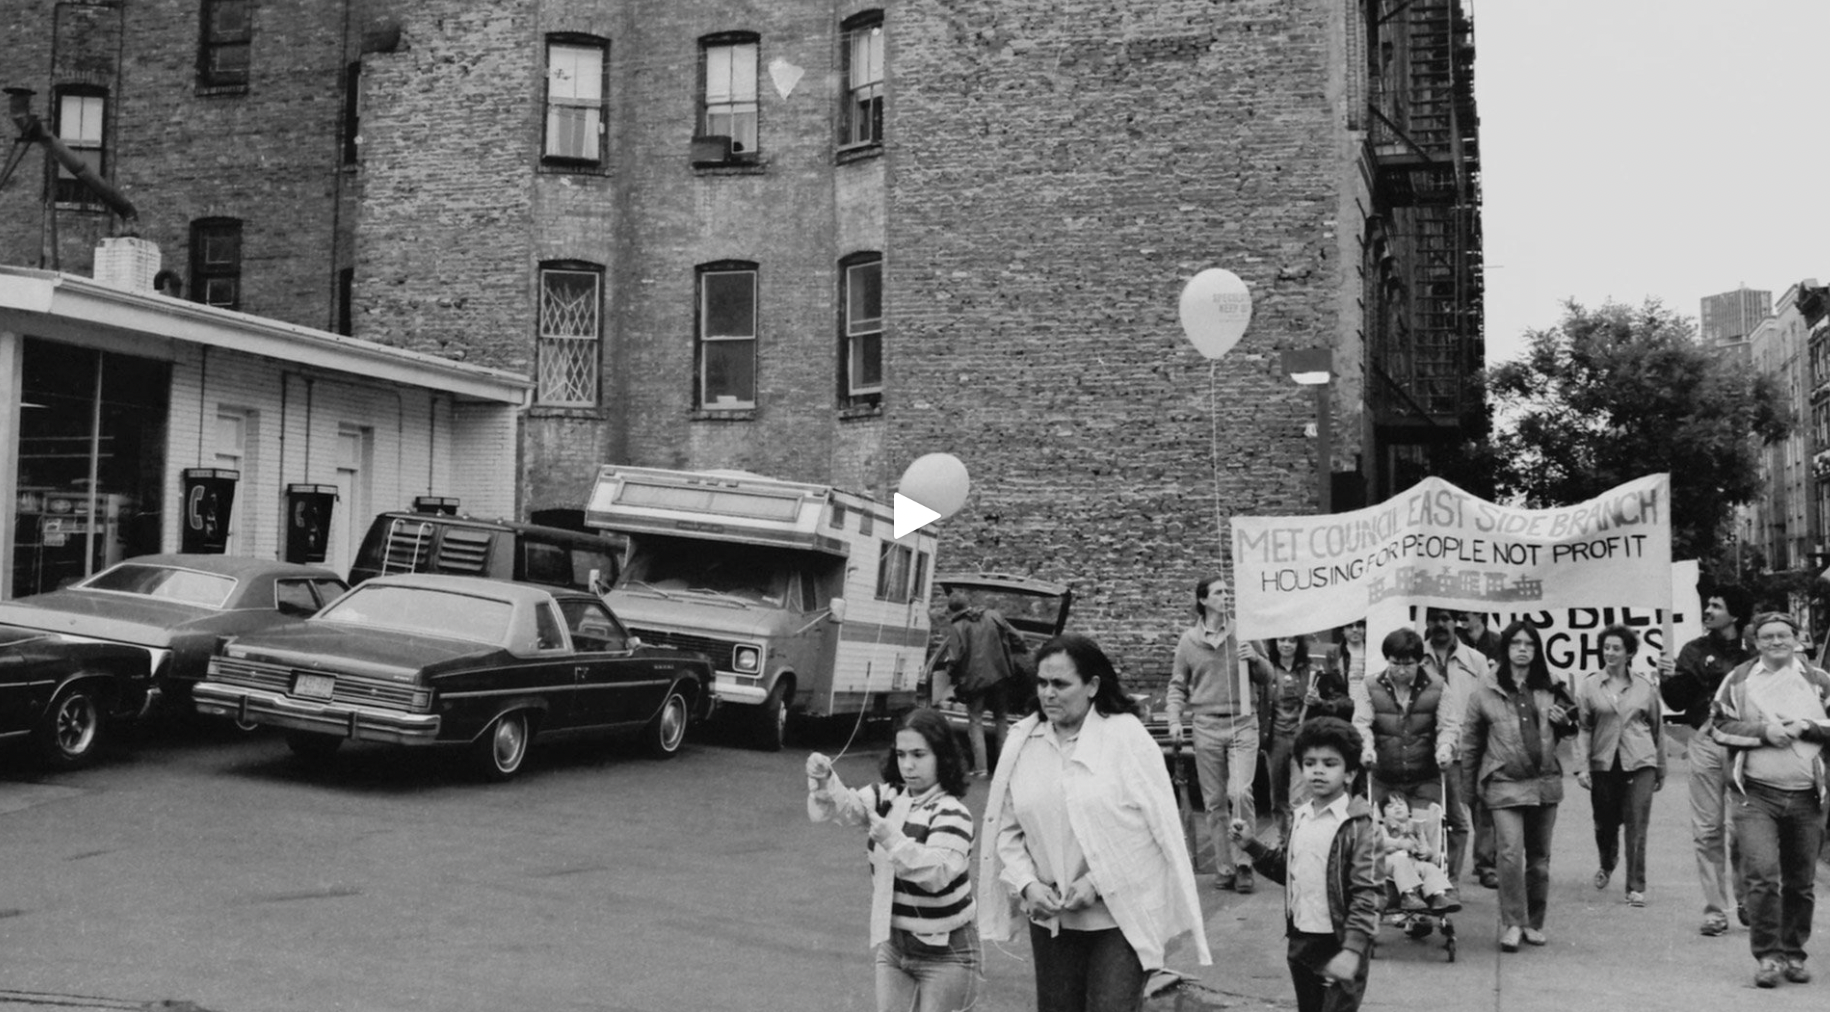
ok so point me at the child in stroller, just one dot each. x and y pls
(1410, 851)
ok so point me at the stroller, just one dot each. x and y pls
(1422, 868)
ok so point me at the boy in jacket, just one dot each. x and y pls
(1328, 867)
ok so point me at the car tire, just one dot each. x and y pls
(312, 745)
(772, 718)
(74, 729)
(667, 731)
(502, 748)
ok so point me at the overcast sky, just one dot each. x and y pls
(1649, 148)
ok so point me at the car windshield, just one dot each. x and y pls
(422, 610)
(1032, 613)
(168, 583)
(752, 574)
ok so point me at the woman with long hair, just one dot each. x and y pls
(922, 928)
(1087, 841)
(1620, 756)
(1299, 689)
(1509, 755)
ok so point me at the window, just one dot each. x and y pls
(346, 297)
(222, 52)
(730, 91)
(294, 597)
(82, 117)
(727, 336)
(575, 99)
(571, 335)
(862, 117)
(893, 572)
(216, 262)
(861, 339)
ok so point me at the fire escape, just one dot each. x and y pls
(1422, 242)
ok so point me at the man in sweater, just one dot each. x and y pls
(1212, 683)
(1773, 715)
(1459, 667)
(1688, 685)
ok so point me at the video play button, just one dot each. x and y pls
(910, 516)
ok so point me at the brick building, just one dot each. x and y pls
(818, 238)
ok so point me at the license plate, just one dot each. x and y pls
(315, 686)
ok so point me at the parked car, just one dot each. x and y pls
(165, 613)
(65, 692)
(461, 661)
(499, 549)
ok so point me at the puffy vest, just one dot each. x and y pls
(1404, 743)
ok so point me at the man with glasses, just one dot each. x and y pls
(1459, 667)
(1687, 686)
(1773, 716)
(1409, 731)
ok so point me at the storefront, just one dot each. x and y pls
(133, 423)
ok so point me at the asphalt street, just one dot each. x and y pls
(220, 874)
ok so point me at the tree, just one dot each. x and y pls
(1615, 393)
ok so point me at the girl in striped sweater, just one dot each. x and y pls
(923, 921)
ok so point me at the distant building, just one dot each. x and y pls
(1785, 526)
(1729, 319)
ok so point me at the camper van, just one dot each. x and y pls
(798, 593)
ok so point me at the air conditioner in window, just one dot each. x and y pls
(712, 149)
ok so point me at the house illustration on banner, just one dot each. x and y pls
(1411, 581)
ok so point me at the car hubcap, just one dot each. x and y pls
(673, 723)
(511, 738)
(75, 725)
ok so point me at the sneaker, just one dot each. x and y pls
(1223, 880)
(1714, 925)
(1445, 902)
(1490, 879)
(1638, 899)
(1796, 972)
(1769, 973)
(1601, 878)
(1533, 936)
(1242, 882)
(1412, 901)
(1509, 940)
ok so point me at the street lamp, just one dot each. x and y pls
(1314, 367)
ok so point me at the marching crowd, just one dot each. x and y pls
(1384, 774)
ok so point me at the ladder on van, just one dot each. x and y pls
(405, 545)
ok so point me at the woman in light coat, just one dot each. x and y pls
(1082, 835)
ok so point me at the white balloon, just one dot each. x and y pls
(1216, 307)
(937, 481)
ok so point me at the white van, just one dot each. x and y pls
(797, 592)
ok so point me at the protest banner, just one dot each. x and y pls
(1435, 544)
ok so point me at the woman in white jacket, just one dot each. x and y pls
(1082, 835)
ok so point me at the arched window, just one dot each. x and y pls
(724, 349)
(216, 262)
(861, 50)
(575, 99)
(82, 125)
(861, 329)
(569, 349)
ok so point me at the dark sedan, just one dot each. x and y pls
(75, 660)
(455, 660)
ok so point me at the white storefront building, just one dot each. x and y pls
(116, 404)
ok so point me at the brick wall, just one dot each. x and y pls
(1060, 170)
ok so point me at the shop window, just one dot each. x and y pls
(861, 119)
(861, 329)
(82, 124)
(223, 44)
(575, 99)
(728, 92)
(568, 351)
(726, 344)
(216, 262)
(92, 463)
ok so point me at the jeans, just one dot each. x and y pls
(1226, 758)
(1315, 993)
(913, 976)
(1485, 847)
(1522, 859)
(1086, 971)
(1780, 833)
(975, 729)
(1622, 798)
(1716, 865)
(1280, 765)
(1455, 816)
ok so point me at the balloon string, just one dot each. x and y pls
(1213, 417)
(864, 704)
